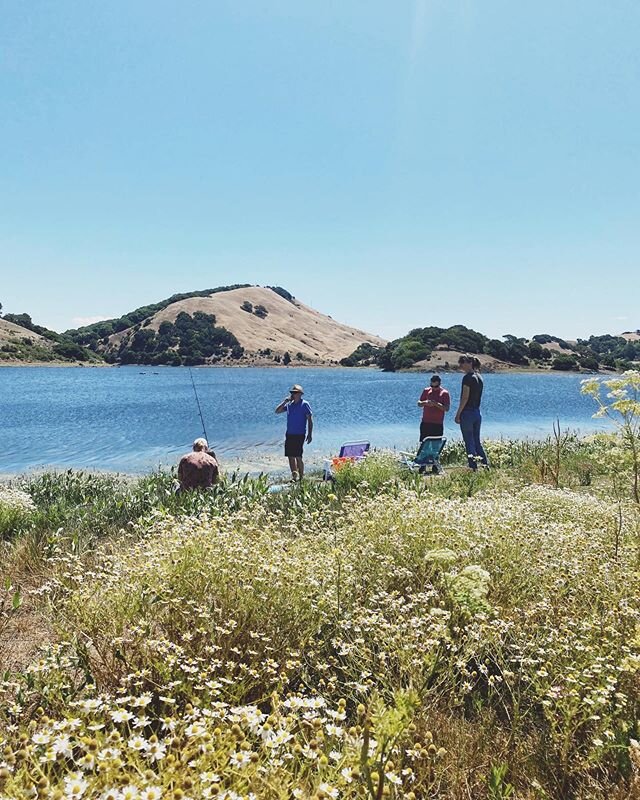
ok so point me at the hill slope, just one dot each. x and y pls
(288, 326)
(28, 343)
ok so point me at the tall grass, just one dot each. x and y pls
(385, 635)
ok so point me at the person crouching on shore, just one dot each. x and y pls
(198, 469)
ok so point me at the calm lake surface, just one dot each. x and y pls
(133, 419)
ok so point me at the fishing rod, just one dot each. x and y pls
(195, 391)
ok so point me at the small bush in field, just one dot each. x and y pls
(16, 511)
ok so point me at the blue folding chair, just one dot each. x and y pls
(428, 456)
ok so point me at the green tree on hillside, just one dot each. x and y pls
(536, 350)
(189, 340)
(108, 327)
(496, 349)
(565, 362)
(517, 349)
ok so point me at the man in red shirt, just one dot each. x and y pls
(434, 402)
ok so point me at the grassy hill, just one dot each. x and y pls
(255, 325)
(23, 342)
(238, 324)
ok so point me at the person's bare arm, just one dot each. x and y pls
(435, 403)
(283, 405)
(464, 399)
(309, 429)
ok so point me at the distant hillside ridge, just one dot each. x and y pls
(89, 335)
(24, 342)
(239, 324)
(435, 348)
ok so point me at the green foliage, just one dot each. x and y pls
(403, 354)
(364, 355)
(589, 361)
(26, 349)
(189, 340)
(536, 350)
(496, 349)
(90, 335)
(19, 350)
(517, 350)
(373, 473)
(247, 306)
(611, 347)
(25, 321)
(420, 342)
(546, 338)
(286, 358)
(621, 405)
(260, 311)
(282, 293)
(14, 521)
(514, 350)
(71, 350)
(565, 362)
(613, 351)
(497, 786)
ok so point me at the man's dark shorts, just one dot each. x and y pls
(431, 429)
(293, 443)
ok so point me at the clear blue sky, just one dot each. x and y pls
(393, 164)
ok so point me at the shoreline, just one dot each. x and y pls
(508, 369)
(55, 364)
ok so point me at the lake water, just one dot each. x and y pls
(132, 419)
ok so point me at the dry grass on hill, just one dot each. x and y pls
(9, 331)
(448, 359)
(288, 326)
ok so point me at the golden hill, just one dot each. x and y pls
(284, 325)
(10, 332)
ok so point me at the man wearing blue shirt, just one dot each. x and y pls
(299, 426)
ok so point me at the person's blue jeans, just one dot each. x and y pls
(470, 421)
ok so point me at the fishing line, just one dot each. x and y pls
(195, 391)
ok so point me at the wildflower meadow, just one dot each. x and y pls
(385, 635)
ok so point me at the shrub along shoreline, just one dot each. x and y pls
(387, 635)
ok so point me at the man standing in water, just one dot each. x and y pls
(299, 426)
(435, 402)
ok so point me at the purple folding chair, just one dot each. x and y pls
(354, 451)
